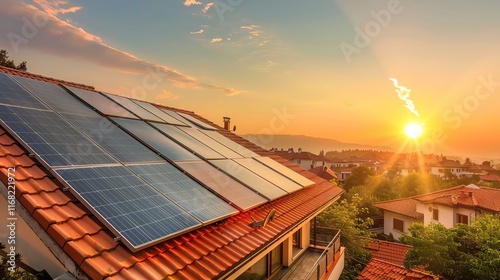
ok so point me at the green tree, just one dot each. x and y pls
(462, 252)
(358, 177)
(346, 217)
(5, 61)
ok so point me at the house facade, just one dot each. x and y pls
(449, 207)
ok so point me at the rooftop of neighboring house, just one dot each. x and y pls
(447, 163)
(404, 206)
(470, 196)
(490, 177)
(388, 251)
(381, 270)
(324, 172)
(205, 252)
(387, 262)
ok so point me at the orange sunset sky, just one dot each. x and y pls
(317, 68)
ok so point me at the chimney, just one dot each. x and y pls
(227, 123)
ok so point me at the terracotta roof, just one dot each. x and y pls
(204, 253)
(403, 206)
(469, 196)
(388, 251)
(490, 177)
(42, 78)
(380, 270)
(324, 172)
(448, 164)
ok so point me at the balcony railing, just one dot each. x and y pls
(321, 267)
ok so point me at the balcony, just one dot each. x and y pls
(323, 259)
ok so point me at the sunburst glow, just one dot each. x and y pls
(414, 130)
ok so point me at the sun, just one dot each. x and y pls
(414, 130)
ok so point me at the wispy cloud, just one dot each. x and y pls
(60, 38)
(56, 7)
(167, 95)
(216, 40)
(198, 32)
(207, 7)
(191, 2)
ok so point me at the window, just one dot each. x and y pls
(265, 268)
(397, 224)
(462, 219)
(275, 259)
(435, 214)
(296, 242)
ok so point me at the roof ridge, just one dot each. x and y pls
(33, 76)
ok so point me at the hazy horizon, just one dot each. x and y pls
(284, 67)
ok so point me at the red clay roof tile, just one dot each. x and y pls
(57, 214)
(73, 229)
(381, 270)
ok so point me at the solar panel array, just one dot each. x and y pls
(147, 173)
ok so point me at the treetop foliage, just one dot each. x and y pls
(5, 61)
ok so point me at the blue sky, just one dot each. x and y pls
(323, 64)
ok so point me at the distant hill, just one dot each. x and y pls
(306, 143)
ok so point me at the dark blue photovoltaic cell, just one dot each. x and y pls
(162, 115)
(229, 143)
(134, 108)
(13, 94)
(137, 212)
(303, 181)
(196, 121)
(52, 138)
(220, 183)
(269, 174)
(188, 141)
(155, 139)
(184, 191)
(101, 103)
(114, 140)
(55, 97)
(214, 145)
(249, 178)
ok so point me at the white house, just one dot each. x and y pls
(449, 207)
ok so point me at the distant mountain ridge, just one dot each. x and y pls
(307, 143)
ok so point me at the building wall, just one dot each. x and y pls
(446, 214)
(27, 243)
(389, 227)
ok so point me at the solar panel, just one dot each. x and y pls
(214, 145)
(303, 181)
(196, 121)
(188, 141)
(230, 189)
(155, 139)
(101, 103)
(52, 138)
(162, 115)
(184, 191)
(127, 205)
(269, 174)
(134, 108)
(229, 143)
(55, 97)
(13, 94)
(118, 143)
(249, 178)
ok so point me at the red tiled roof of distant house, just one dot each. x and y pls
(324, 172)
(403, 206)
(380, 270)
(490, 177)
(388, 251)
(204, 253)
(465, 196)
